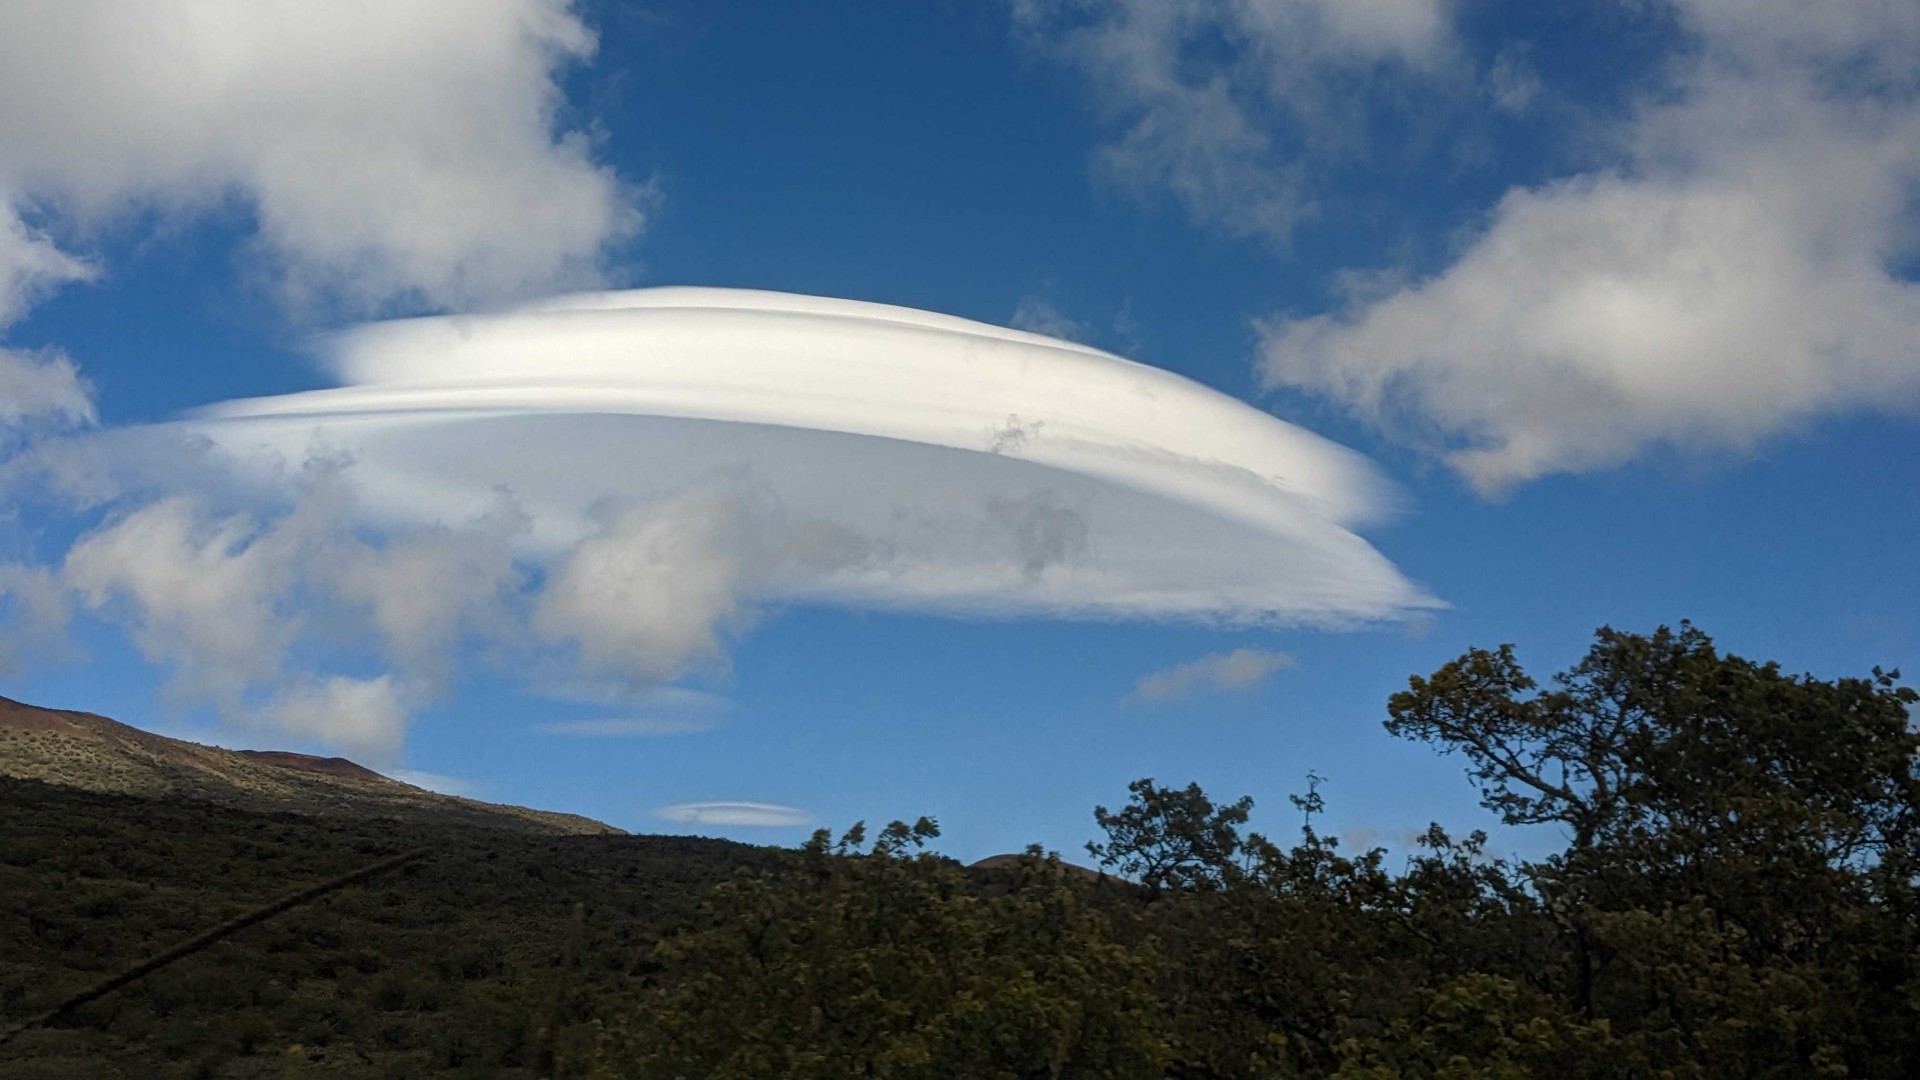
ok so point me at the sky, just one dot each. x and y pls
(749, 418)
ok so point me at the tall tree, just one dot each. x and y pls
(1740, 879)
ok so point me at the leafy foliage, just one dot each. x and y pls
(1738, 895)
(891, 962)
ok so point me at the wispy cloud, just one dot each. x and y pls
(1233, 108)
(628, 726)
(734, 813)
(1039, 315)
(42, 387)
(445, 785)
(1238, 671)
(627, 695)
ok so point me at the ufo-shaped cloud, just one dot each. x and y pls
(726, 444)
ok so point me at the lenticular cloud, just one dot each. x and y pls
(680, 453)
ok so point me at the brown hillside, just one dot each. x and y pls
(93, 753)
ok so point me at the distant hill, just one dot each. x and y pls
(998, 863)
(447, 966)
(93, 753)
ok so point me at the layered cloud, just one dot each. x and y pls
(1216, 673)
(734, 813)
(1740, 265)
(1235, 106)
(674, 450)
(610, 488)
(383, 152)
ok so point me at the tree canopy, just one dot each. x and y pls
(1738, 895)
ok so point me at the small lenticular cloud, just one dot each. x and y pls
(1218, 673)
(734, 813)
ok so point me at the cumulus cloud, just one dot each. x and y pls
(428, 591)
(1733, 272)
(363, 716)
(31, 265)
(42, 388)
(225, 599)
(200, 593)
(733, 813)
(1224, 100)
(385, 152)
(34, 612)
(1217, 673)
(653, 592)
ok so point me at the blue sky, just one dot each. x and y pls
(1621, 298)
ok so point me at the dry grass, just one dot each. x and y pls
(93, 753)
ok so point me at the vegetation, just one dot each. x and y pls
(93, 753)
(1738, 895)
(451, 965)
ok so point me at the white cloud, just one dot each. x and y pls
(628, 726)
(200, 593)
(601, 491)
(1732, 274)
(362, 716)
(798, 448)
(30, 263)
(1512, 84)
(734, 813)
(386, 152)
(427, 591)
(438, 782)
(1225, 100)
(1038, 315)
(653, 592)
(33, 617)
(42, 387)
(224, 600)
(1217, 673)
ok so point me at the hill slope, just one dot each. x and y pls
(447, 966)
(93, 753)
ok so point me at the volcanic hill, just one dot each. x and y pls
(93, 753)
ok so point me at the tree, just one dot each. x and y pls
(892, 962)
(1173, 837)
(1740, 885)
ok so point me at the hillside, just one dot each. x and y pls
(448, 966)
(93, 753)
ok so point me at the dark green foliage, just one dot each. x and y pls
(1738, 895)
(447, 966)
(1172, 837)
(1738, 898)
(1739, 891)
(893, 962)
